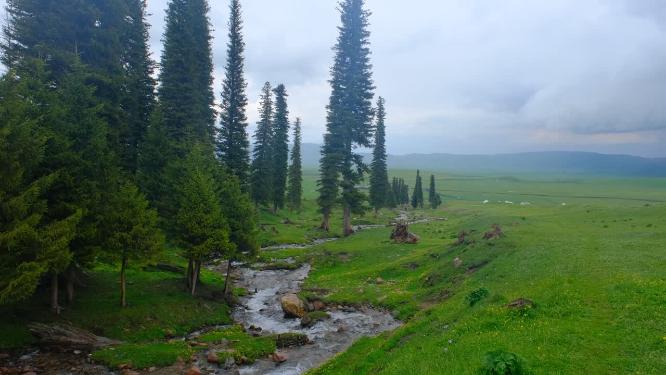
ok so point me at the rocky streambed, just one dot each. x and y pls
(262, 309)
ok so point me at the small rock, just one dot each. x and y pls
(521, 303)
(77, 352)
(318, 305)
(457, 263)
(229, 363)
(379, 280)
(124, 366)
(342, 329)
(212, 357)
(306, 321)
(129, 372)
(194, 370)
(152, 369)
(279, 357)
(25, 357)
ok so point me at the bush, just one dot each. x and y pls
(474, 297)
(503, 363)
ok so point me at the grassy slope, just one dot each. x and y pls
(159, 306)
(595, 268)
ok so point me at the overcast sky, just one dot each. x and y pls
(472, 76)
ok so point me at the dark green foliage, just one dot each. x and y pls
(138, 95)
(328, 184)
(185, 118)
(404, 193)
(417, 196)
(349, 115)
(262, 155)
(476, 296)
(87, 168)
(379, 187)
(232, 140)
(240, 214)
(201, 230)
(108, 39)
(434, 198)
(131, 232)
(280, 147)
(185, 92)
(391, 198)
(295, 189)
(156, 154)
(400, 191)
(503, 363)
(31, 242)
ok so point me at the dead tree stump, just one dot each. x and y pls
(401, 234)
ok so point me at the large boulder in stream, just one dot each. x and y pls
(292, 306)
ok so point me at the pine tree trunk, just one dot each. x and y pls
(55, 307)
(71, 276)
(188, 276)
(326, 222)
(348, 230)
(226, 279)
(123, 283)
(195, 277)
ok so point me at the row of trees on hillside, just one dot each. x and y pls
(270, 168)
(99, 162)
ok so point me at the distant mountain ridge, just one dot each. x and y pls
(550, 162)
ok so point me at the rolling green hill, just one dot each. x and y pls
(562, 163)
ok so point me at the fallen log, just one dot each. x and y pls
(67, 336)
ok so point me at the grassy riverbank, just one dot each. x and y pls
(590, 254)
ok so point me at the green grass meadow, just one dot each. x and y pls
(589, 252)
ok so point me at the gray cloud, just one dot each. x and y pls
(468, 76)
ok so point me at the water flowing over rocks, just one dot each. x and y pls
(263, 309)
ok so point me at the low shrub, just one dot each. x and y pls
(500, 362)
(476, 296)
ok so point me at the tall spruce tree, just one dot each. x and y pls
(379, 186)
(261, 174)
(138, 96)
(232, 140)
(349, 117)
(404, 192)
(280, 146)
(417, 196)
(434, 198)
(184, 117)
(295, 189)
(186, 76)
